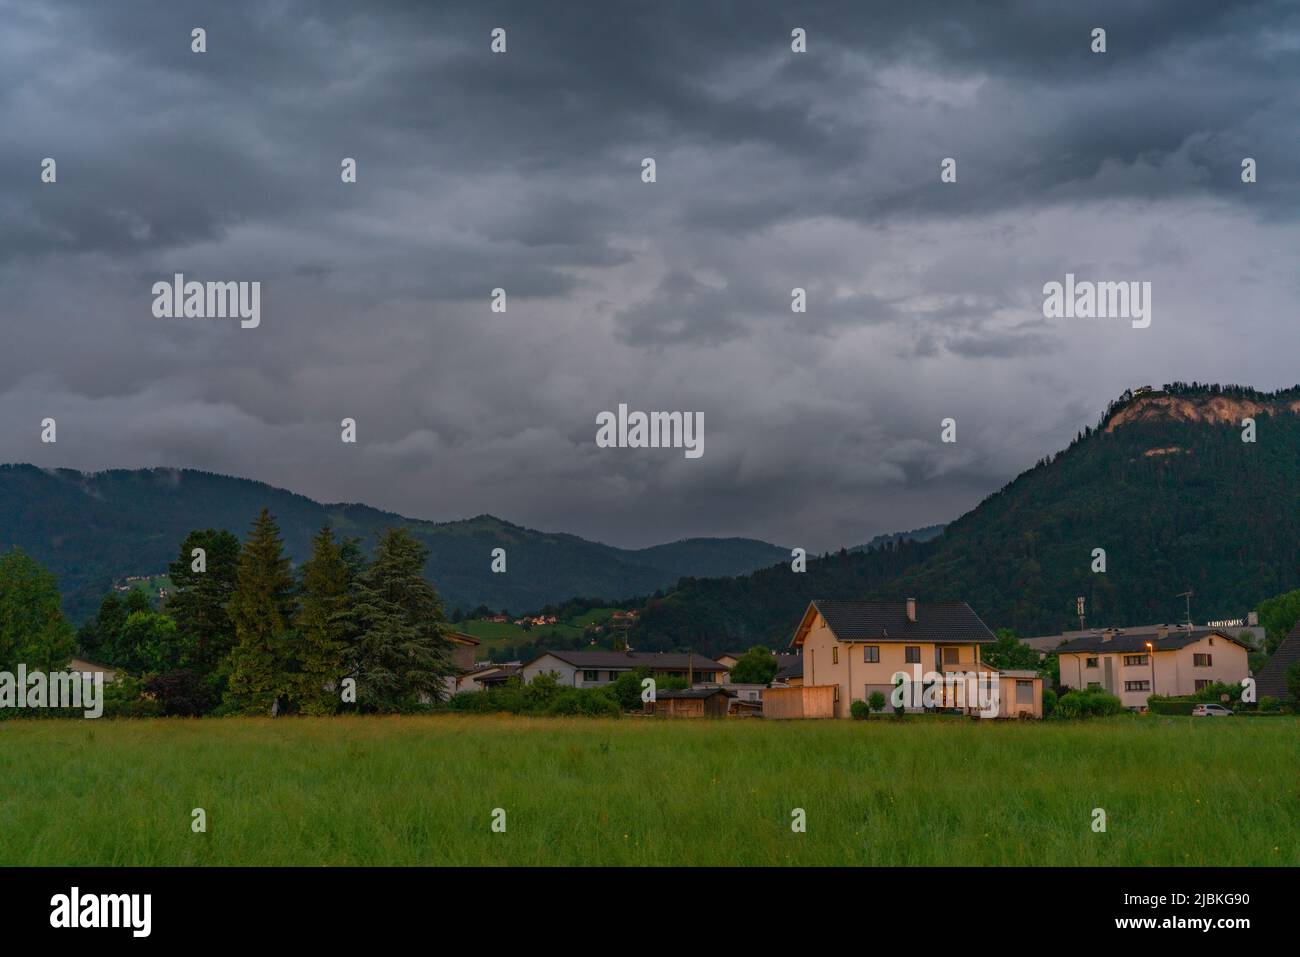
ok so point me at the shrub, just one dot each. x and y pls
(124, 698)
(876, 701)
(860, 709)
(1269, 704)
(181, 694)
(1177, 706)
(627, 688)
(587, 702)
(1049, 702)
(1088, 704)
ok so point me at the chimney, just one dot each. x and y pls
(911, 610)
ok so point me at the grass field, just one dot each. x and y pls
(421, 790)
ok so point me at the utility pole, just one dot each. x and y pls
(1188, 595)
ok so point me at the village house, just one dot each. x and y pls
(591, 669)
(789, 670)
(82, 666)
(461, 657)
(487, 675)
(855, 648)
(1166, 660)
(1271, 681)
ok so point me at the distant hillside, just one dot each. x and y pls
(94, 529)
(915, 535)
(1165, 485)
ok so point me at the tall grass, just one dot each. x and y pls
(421, 790)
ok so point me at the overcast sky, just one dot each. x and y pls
(523, 171)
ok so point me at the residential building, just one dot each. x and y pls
(1246, 630)
(789, 671)
(490, 677)
(1271, 681)
(591, 669)
(1166, 660)
(858, 647)
(82, 666)
(462, 658)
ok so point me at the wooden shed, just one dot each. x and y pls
(693, 703)
(806, 701)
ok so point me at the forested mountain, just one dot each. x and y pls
(93, 529)
(1165, 484)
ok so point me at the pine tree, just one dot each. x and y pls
(400, 657)
(198, 603)
(321, 629)
(261, 609)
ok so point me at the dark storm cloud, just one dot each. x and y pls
(522, 171)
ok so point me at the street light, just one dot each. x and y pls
(1151, 653)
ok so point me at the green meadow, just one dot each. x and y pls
(638, 791)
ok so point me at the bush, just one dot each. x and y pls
(1176, 706)
(585, 702)
(542, 696)
(626, 688)
(1088, 704)
(877, 701)
(124, 698)
(1270, 704)
(860, 710)
(181, 694)
(1049, 702)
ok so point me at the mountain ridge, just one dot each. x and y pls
(93, 528)
(1222, 518)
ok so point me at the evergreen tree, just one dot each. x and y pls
(400, 656)
(321, 629)
(33, 630)
(95, 637)
(261, 609)
(198, 603)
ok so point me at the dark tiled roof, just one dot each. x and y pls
(887, 621)
(1271, 680)
(790, 666)
(673, 660)
(1136, 641)
(499, 673)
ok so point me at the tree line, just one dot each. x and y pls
(243, 632)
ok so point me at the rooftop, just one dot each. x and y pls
(941, 621)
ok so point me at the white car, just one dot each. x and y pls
(1211, 711)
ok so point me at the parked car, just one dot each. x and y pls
(1211, 711)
